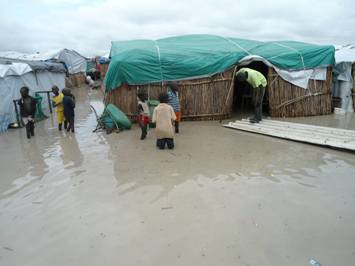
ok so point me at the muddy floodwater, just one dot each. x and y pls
(221, 197)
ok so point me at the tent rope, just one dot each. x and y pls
(298, 99)
(229, 92)
(236, 45)
(291, 48)
(161, 70)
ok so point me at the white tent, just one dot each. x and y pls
(13, 76)
(74, 62)
(343, 81)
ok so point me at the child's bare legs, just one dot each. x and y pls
(144, 129)
(176, 127)
(70, 125)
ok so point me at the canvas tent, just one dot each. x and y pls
(37, 76)
(197, 61)
(344, 74)
(74, 62)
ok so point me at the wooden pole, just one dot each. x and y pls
(229, 91)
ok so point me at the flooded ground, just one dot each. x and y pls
(222, 197)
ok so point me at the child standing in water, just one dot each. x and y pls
(58, 104)
(143, 114)
(164, 116)
(68, 106)
(28, 110)
(173, 94)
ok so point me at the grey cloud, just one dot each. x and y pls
(90, 28)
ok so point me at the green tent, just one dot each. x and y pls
(193, 56)
(90, 66)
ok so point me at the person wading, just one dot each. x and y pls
(258, 82)
(163, 117)
(69, 105)
(173, 94)
(58, 104)
(28, 110)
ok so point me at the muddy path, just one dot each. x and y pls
(222, 197)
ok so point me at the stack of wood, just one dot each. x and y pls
(288, 100)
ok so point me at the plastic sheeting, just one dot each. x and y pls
(194, 56)
(342, 89)
(14, 69)
(75, 62)
(342, 78)
(10, 90)
(299, 78)
(41, 66)
(345, 53)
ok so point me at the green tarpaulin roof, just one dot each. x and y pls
(191, 56)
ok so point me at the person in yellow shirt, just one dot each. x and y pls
(58, 105)
(258, 82)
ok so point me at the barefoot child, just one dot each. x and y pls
(69, 105)
(164, 116)
(58, 104)
(27, 110)
(143, 114)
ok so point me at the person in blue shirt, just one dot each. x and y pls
(174, 102)
(68, 105)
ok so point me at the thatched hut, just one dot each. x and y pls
(299, 74)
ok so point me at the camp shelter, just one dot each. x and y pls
(97, 67)
(344, 77)
(74, 62)
(104, 62)
(37, 76)
(204, 66)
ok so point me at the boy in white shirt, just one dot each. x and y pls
(164, 116)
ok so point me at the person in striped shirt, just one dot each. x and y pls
(173, 94)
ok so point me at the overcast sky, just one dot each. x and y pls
(89, 26)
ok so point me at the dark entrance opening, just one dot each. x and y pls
(243, 102)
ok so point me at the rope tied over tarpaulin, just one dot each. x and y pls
(293, 49)
(236, 45)
(159, 59)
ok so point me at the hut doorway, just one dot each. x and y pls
(243, 93)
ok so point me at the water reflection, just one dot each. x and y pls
(71, 155)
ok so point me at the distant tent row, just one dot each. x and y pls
(97, 66)
(74, 62)
(37, 76)
(299, 74)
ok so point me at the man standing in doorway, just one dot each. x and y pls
(173, 94)
(258, 82)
